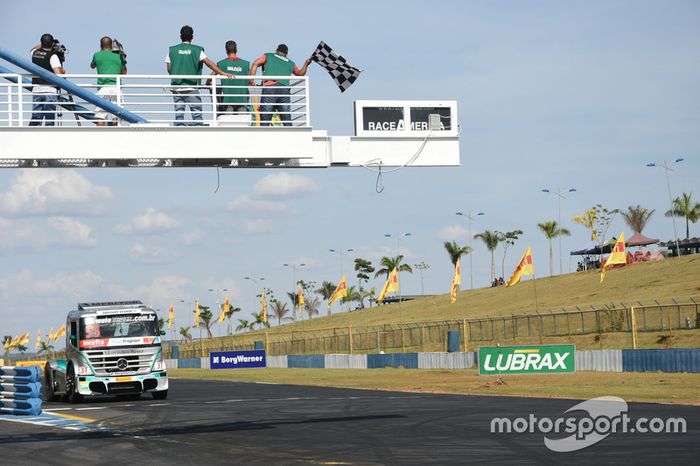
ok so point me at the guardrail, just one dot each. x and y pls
(20, 390)
(156, 99)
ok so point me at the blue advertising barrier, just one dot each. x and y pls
(20, 390)
(190, 363)
(237, 359)
(665, 360)
(406, 360)
(309, 361)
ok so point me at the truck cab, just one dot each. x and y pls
(112, 348)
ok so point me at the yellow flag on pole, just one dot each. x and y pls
(196, 313)
(15, 341)
(24, 340)
(456, 281)
(224, 310)
(391, 285)
(341, 291)
(6, 344)
(171, 317)
(50, 336)
(525, 267)
(263, 306)
(37, 345)
(300, 300)
(617, 256)
(61, 332)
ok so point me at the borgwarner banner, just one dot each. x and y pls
(237, 359)
(496, 360)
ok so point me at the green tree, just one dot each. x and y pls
(637, 217)
(551, 230)
(243, 324)
(326, 290)
(455, 251)
(205, 318)
(258, 320)
(490, 239)
(588, 221)
(228, 314)
(280, 311)
(507, 239)
(185, 332)
(684, 206)
(45, 347)
(364, 268)
(352, 294)
(311, 306)
(390, 263)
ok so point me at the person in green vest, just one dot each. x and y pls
(187, 59)
(107, 61)
(235, 94)
(276, 92)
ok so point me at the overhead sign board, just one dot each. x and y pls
(237, 359)
(403, 118)
(496, 360)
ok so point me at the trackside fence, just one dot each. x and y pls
(527, 327)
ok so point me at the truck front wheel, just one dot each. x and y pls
(49, 394)
(72, 395)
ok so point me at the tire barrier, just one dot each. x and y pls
(20, 390)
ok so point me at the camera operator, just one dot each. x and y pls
(108, 61)
(45, 95)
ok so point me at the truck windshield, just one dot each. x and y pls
(119, 326)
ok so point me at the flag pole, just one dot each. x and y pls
(534, 286)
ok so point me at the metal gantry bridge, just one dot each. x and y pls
(141, 129)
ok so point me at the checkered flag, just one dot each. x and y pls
(340, 70)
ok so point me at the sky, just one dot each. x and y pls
(558, 95)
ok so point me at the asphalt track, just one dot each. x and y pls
(205, 422)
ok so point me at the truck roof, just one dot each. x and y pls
(110, 307)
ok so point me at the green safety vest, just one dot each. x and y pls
(239, 67)
(278, 65)
(184, 59)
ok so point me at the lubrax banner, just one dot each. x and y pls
(404, 118)
(237, 359)
(495, 360)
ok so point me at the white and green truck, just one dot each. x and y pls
(112, 348)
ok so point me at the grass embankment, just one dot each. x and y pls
(677, 278)
(631, 386)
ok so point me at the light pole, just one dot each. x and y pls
(421, 266)
(470, 217)
(341, 253)
(560, 196)
(262, 279)
(218, 301)
(398, 237)
(294, 266)
(667, 168)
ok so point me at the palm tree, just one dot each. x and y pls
(243, 324)
(259, 321)
(326, 290)
(364, 268)
(684, 207)
(551, 230)
(280, 311)
(205, 318)
(390, 263)
(311, 306)
(490, 239)
(455, 251)
(370, 294)
(228, 313)
(637, 217)
(352, 295)
(185, 332)
(45, 347)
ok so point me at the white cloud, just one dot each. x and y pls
(163, 291)
(453, 233)
(246, 203)
(151, 254)
(257, 226)
(150, 222)
(74, 233)
(284, 184)
(191, 238)
(37, 192)
(38, 234)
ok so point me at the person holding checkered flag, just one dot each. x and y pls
(276, 92)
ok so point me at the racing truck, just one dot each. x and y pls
(112, 348)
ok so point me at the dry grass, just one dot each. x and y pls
(631, 386)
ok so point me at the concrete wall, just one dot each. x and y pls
(446, 360)
(277, 361)
(345, 361)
